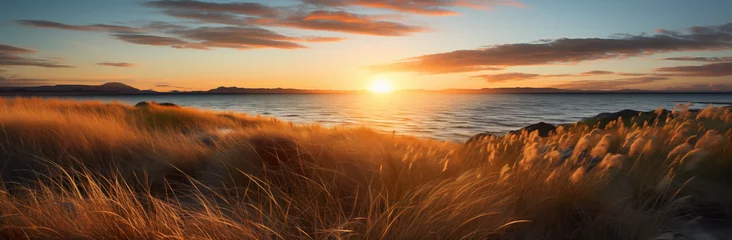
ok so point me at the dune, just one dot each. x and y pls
(89, 170)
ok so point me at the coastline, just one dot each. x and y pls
(116, 88)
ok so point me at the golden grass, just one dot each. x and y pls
(84, 170)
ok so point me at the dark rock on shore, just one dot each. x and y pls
(544, 129)
(628, 116)
(147, 104)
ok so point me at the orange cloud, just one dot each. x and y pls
(700, 59)
(116, 64)
(503, 77)
(239, 38)
(323, 39)
(204, 37)
(165, 85)
(564, 50)
(336, 16)
(341, 21)
(249, 14)
(608, 84)
(431, 67)
(597, 72)
(245, 22)
(422, 7)
(708, 70)
(253, 14)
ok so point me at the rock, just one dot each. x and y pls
(601, 120)
(147, 104)
(629, 117)
(142, 104)
(543, 128)
(165, 104)
(625, 113)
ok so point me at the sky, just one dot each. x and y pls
(349, 44)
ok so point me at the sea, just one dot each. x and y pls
(450, 117)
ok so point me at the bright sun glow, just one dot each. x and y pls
(381, 86)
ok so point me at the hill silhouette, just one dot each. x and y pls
(107, 88)
(113, 88)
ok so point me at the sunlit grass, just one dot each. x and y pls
(83, 170)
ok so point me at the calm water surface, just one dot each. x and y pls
(441, 116)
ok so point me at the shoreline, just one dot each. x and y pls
(36, 94)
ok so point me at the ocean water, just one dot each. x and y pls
(454, 117)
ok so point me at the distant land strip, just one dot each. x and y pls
(115, 88)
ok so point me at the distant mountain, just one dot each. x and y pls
(107, 88)
(113, 88)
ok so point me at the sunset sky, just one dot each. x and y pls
(347, 44)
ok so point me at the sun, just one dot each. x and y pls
(381, 86)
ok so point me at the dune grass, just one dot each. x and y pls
(86, 170)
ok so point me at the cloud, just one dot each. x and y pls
(323, 39)
(597, 72)
(708, 70)
(15, 56)
(116, 64)
(252, 9)
(126, 34)
(239, 38)
(503, 77)
(164, 26)
(564, 50)
(211, 17)
(88, 28)
(700, 59)
(153, 40)
(170, 86)
(342, 21)
(632, 74)
(244, 25)
(13, 50)
(423, 7)
(245, 18)
(251, 14)
(18, 81)
(23, 82)
(608, 84)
